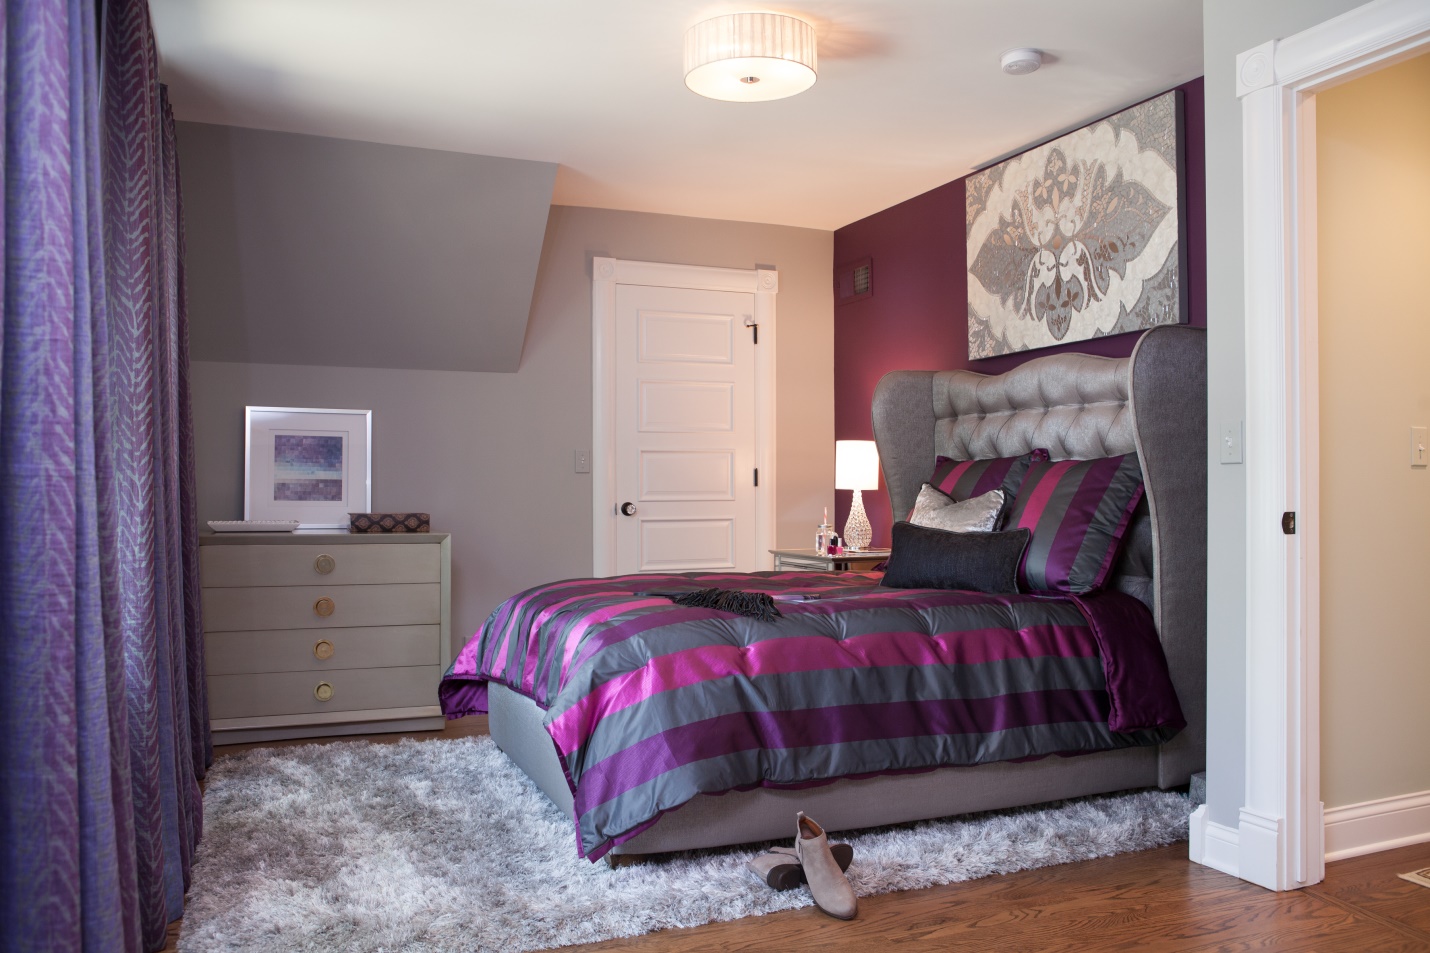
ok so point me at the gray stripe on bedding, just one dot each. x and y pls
(824, 688)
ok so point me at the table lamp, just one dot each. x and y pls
(856, 467)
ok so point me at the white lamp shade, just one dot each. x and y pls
(750, 57)
(856, 465)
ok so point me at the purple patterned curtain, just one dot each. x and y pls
(102, 710)
(153, 455)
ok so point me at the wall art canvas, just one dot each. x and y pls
(1080, 237)
(308, 467)
(307, 464)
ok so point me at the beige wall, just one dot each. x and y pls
(490, 455)
(1373, 194)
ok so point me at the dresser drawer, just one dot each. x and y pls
(298, 650)
(229, 566)
(293, 693)
(298, 607)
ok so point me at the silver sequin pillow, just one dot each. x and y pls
(938, 510)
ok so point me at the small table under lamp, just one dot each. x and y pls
(856, 467)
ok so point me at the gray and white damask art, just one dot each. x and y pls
(1078, 238)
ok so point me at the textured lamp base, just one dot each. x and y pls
(857, 531)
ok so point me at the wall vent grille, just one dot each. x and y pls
(854, 281)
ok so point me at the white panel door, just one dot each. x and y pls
(685, 430)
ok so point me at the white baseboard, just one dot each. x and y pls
(1351, 831)
(1213, 845)
(1373, 826)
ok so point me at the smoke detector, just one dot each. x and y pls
(1021, 62)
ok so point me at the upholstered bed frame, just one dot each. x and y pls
(1076, 406)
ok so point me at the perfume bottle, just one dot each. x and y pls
(823, 535)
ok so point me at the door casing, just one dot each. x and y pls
(1279, 840)
(606, 274)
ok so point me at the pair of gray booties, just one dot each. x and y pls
(812, 860)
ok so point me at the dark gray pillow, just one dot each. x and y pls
(927, 558)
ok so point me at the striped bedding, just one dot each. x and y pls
(649, 703)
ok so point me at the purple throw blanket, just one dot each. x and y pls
(649, 703)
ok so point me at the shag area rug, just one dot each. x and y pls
(420, 847)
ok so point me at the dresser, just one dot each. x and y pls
(311, 634)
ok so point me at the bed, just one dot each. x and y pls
(570, 666)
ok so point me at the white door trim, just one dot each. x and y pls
(1279, 842)
(606, 274)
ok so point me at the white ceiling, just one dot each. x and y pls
(909, 95)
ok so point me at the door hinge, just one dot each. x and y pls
(1288, 523)
(757, 476)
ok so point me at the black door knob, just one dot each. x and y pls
(628, 509)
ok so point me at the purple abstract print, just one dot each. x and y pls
(308, 467)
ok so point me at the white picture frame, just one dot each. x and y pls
(309, 464)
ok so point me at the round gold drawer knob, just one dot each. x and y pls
(324, 564)
(324, 607)
(324, 692)
(323, 650)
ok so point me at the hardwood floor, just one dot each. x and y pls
(1152, 900)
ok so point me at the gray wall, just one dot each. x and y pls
(1230, 27)
(309, 250)
(490, 455)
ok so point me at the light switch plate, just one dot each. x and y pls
(583, 461)
(1419, 449)
(1230, 442)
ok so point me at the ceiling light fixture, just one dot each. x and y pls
(1021, 62)
(750, 57)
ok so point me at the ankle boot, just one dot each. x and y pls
(827, 883)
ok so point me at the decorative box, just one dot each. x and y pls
(389, 523)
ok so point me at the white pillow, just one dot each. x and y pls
(936, 509)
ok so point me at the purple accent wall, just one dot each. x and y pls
(917, 317)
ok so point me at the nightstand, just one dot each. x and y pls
(809, 559)
(311, 634)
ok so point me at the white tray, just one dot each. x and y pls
(253, 526)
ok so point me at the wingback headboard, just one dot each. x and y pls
(1080, 406)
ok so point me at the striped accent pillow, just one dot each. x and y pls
(1077, 511)
(965, 479)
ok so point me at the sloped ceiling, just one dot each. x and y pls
(313, 250)
(909, 94)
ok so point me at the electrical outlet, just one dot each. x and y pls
(583, 461)
(1419, 454)
(1230, 442)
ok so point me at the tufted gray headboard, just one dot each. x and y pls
(1079, 406)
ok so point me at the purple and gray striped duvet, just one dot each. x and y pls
(650, 703)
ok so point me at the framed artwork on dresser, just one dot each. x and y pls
(307, 464)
